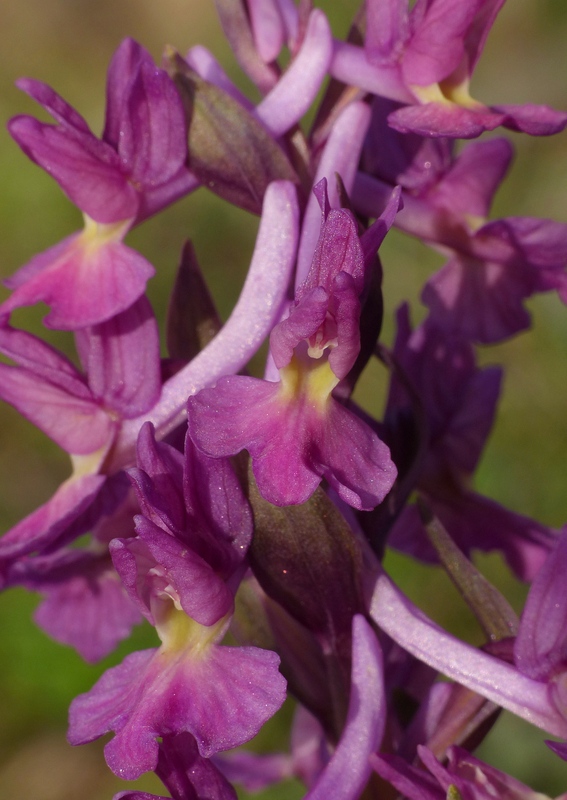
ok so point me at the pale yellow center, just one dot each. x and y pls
(314, 380)
(447, 92)
(179, 633)
(97, 234)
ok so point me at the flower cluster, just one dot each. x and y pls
(246, 517)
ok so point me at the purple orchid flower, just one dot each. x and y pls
(458, 406)
(424, 58)
(313, 348)
(137, 168)
(220, 695)
(494, 266)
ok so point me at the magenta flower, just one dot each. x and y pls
(190, 684)
(221, 695)
(457, 407)
(137, 168)
(181, 584)
(494, 265)
(295, 431)
(425, 58)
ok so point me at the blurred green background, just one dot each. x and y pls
(68, 44)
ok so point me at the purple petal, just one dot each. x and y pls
(153, 133)
(122, 70)
(341, 154)
(248, 413)
(540, 649)
(221, 519)
(257, 415)
(445, 119)
(470, 184)
(414, 783)
(186, 774)
(93, 181)
(373, 237)
(159, 197)
(347, 772)
(121, 359)
(386, 31)
(235, 23)
(255, 771)
(533, 119)
(158, 482)
(345, 309)
(482, 777)
(203, 595)
(84, 282)
(39, 358)
(353, 459)
(305, 318)
(46, 523)
(481, 301)
(106, 707)
(352, 66)
(470, 425)
(542, 243)
(437, 46)
(207, 66)
(409, 160)
(267, 28)
(560, 749)
(479, 30)
(477, 523)
(338, 250)
(79, 426)
(458, 399)
(54, 104)
(222, 697)
(85, 605)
